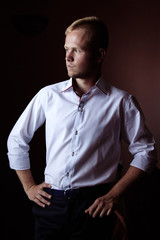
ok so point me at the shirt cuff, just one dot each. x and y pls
(19, 162)
(147, 165)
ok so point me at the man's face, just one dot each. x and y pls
(80, 60)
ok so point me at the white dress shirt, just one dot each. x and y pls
(83, 135)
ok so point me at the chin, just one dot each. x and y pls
(78, 75)
(72, 75)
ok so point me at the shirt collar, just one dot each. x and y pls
(68, 86)
(101, 84)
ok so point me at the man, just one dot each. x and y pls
(85, 120)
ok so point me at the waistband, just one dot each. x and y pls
(85, 192)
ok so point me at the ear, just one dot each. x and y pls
(101, 55)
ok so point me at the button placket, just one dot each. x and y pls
(75, 137)
(75, 144)
(75, 140)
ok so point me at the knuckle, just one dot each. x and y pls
(43, 184)
(97, 201)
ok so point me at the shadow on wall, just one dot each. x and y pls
(29, 24)
(143, 208)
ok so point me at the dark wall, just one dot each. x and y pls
(31, 59)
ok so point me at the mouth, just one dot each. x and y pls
(69, 66)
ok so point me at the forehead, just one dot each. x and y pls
(77, 37)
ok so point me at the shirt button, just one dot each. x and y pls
(72, 153)
(76, 132)
(67, 174)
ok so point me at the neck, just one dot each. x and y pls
(82, 86)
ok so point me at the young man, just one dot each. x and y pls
(85, 120)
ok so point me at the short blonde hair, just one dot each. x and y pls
(97, 30)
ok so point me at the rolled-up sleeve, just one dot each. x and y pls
(20, 136)
(137, 135)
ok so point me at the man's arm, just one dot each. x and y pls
(106, 204)
(34, 192)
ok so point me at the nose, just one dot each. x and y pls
(69, 56)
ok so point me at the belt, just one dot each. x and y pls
(85, 192)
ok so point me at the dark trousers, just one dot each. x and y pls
(65, 219)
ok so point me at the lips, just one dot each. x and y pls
(69, 66)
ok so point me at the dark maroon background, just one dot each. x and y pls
(32, 61)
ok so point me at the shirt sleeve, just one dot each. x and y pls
(138, 136)
(20, 136)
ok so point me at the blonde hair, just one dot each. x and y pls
(97, 30)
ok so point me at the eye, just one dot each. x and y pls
(77, 50)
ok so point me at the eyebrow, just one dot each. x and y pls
(83, 49)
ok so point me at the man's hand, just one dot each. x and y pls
(36, 193)
(102, 206)
(107, 203)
